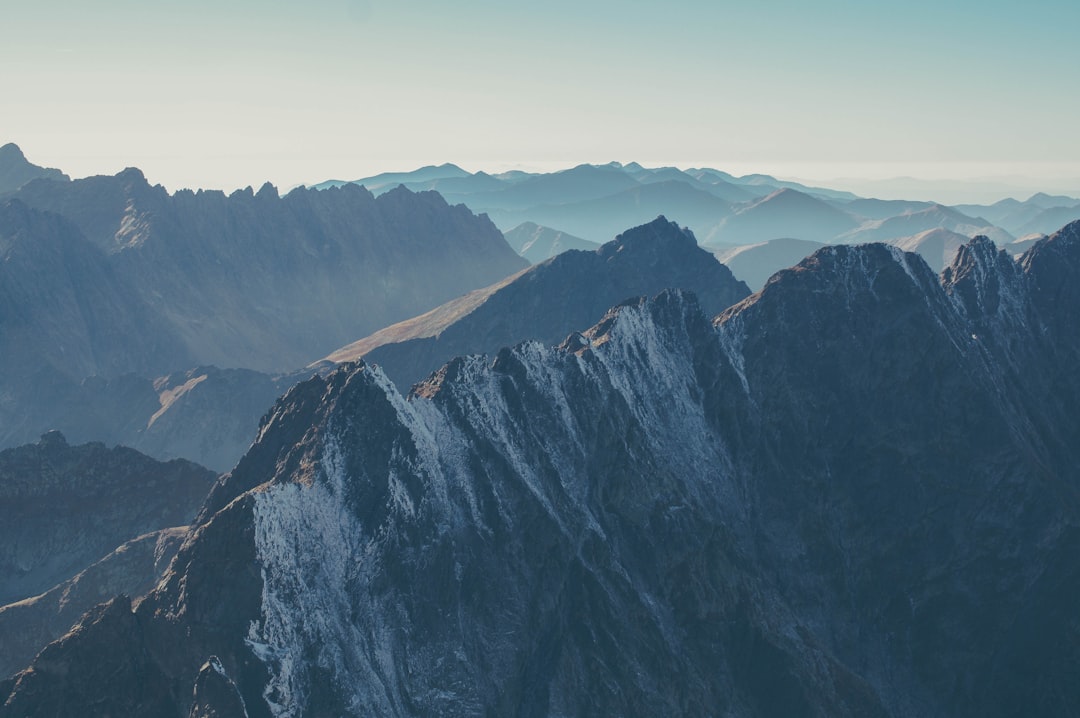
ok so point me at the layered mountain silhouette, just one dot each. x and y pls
(852, 494)
(784, 213)
(914, 222)
(16, 170)
(64, 508)
(537, 243)
(1039, 214)
(548, 301)
(594, 202)
(755, 263)
(937, 246)
(264, 282)
(171, 322)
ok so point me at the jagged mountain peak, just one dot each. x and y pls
(986, 281)
(16, 170)
(659, 235)
(1052, 267)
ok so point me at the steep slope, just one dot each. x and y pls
(65, 310)
(133, 569)
(784, 213)
(16, 170)
(838, 500)
(550, 300)
(64, 507)
(537, 244)
(271, 283)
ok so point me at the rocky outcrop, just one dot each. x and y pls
(64, 507)
(837, 499)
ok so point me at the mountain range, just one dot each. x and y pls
(112, 291)
(596, 202)
(612, 482)
(851, 494)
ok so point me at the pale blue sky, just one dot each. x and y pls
(218, 94)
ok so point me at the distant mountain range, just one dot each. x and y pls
(113, 290)
(595, 202)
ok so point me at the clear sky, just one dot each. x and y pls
(228, 93)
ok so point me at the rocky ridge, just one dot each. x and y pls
(853, 494)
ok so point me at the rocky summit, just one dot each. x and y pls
(852, 494)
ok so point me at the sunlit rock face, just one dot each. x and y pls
(853, 493)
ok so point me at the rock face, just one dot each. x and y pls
(550, 300)
(16, 170)
(853, 494)
(64, 507)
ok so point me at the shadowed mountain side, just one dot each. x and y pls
(65, 309)
(207, 415)
(536, 243)
(16, 170)
(64, 507)
(133, 569)
(270, 283)
(551, 300)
